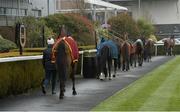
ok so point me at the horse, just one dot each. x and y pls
(118, 43)
(65, 56)
(139, 52)
(107, 51)
(125, 53)
(148, 50)
(132, 54)
(169, 44)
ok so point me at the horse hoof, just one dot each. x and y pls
(74, 93)
(60, 97)
(43, 89)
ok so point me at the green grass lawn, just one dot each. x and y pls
(156, 91)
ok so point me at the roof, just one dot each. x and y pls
(105, 4)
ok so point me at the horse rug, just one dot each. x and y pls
(113, 48)
(72, 45)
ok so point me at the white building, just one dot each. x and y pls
(164, 14)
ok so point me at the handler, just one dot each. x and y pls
(49, 67)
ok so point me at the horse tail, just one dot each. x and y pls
(126, 51)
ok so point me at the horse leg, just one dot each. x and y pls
(73, 65)
(61, 95)
(150, 56)
(98, 67)
(135, 59)
(131, 63)
(119, 62)
(127, 64)
(171, 51)
(139, 60)
(115, 67)
(109, 68)
(123, 65)
(62, 78)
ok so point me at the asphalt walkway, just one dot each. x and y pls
(90, 92)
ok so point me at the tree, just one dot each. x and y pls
(34, 31)
(77, 25)
(122, 25)
(145, 28)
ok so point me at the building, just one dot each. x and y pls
(97, 10)
(11, 10)
(164, 14)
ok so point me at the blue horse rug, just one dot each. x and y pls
(113, 48)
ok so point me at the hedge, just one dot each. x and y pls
(6, 45)
(160, 50)
(20, 76)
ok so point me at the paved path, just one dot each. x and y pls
(90, 92)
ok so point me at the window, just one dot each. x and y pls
(14, 12)
(37, 13)
(2, 11)
(8, 11)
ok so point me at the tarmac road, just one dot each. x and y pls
(90, 92)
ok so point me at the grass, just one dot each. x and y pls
(13, 54)
(159, 90)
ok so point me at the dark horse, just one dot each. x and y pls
(139, 52)
(104, 59)
(107, 51)
(148, 50)
(65, 55)
(169, 44)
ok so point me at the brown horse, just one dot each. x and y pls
(125, 53)
(65, 55)
(148, 49)
(132, 54)
(169, 44)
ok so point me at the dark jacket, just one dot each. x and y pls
(47, 59)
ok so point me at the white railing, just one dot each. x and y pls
(22, 58)
(161, 44)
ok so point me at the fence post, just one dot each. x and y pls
(155, 50)
(82, 52)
